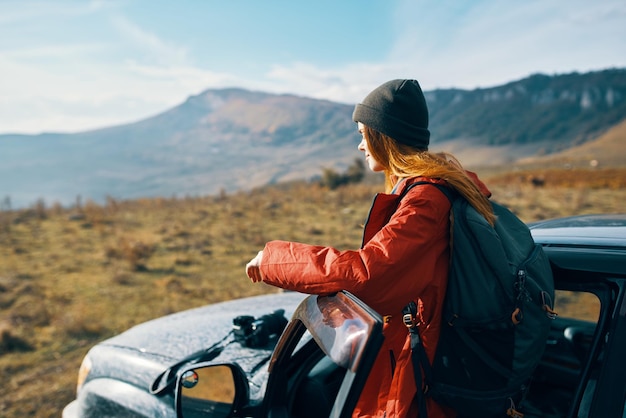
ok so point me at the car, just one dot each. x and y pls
(234, 359)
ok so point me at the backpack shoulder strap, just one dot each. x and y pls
(409, 313)
(450, 193)
(418, 357)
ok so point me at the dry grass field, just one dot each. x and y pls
(72, 277)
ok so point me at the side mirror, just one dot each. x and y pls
(210, 390)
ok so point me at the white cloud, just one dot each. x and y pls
(149, 44)
(345, 84)
(492, 42)
(72, 86)
(59, 51)
(16, 12)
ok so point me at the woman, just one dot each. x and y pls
(405, 251)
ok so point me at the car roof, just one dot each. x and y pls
(592, 243)
(608, 230)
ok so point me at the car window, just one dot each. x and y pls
(583, 306)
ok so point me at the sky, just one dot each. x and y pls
(76, 65)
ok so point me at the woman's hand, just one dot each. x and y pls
(253, 269)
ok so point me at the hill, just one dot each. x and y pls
(234, 139)
(608, 150)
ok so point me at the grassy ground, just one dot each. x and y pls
(72, 277)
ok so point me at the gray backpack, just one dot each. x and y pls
(496, 315)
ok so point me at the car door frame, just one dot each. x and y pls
(313, 316)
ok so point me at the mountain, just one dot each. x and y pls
(232, 139)
(539, 115)
(220, 139)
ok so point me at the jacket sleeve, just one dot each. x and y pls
(411, 245)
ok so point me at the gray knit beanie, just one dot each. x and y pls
(397, 109)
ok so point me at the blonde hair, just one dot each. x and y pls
(403, 161)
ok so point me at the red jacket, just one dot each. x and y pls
(404, 257)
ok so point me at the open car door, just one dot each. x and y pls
(318, 368)
(325, 375)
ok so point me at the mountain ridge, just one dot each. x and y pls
(235, 139)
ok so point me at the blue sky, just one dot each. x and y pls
(73, 65)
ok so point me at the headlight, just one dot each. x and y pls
(83, 372)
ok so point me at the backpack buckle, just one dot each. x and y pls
(409, 320)
(409, 314)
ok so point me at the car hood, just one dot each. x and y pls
(138, 355)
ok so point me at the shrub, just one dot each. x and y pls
(135, 252)
(12, 343)
(354, 174)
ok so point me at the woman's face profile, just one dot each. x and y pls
(372, 163)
